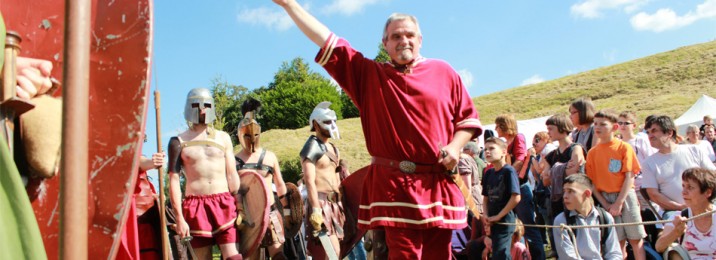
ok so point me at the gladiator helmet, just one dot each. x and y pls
(326, 119)
(198, 100)
(249, 128)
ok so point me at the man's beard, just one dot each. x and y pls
(323, 132)
(405, 55)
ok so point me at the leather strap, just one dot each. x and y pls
(466, 193)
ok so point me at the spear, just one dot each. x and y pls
(75, 132)
(162, 197)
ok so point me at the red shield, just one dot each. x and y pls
(351, 189)
(119, 94)
(256, 207)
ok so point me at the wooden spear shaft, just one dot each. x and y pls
(74, 177)
(162, 197)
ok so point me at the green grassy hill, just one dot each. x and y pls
(665, 83)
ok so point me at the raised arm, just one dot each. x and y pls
(309, 25)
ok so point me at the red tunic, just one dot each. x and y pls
(405, 116)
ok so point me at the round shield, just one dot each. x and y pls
(351, 190)
(293, 212)
(256, 210)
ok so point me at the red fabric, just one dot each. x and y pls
(399, 114)
(143, 184)
(418, 244)
(518, 152)
(518, 148)
(211, 216)
(150, 242)
(129, 245)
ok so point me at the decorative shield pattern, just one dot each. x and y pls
(293, 213)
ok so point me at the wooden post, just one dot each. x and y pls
(74, 176)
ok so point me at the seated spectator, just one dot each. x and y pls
(662, 170)
(710, 137)
(480, 244)
(707, 122)
(519, 250)
(697, 237)
(692, 137)
(581, 211)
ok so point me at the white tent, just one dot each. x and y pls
(527, 127)
(704, 106)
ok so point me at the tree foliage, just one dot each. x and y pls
(291, 97)
(382, 55)
(349, 109)
(227, 101)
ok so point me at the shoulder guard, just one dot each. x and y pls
(313, 149)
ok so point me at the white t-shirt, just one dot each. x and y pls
(642, 147)
(708, 149)
(548, 148)
(701, 246)
(663, 171)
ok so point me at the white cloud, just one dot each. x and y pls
(536, 78)
(467, 78)
(348, 7)
(666, 19)
(275, 19)
(593, 8)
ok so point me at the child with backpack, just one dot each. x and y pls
(592, 243)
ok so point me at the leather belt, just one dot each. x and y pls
(334, 197)
(408, 166)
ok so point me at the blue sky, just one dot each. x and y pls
(494, 45)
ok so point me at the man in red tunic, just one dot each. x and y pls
(416, 117)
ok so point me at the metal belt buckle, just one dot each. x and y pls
(407, 166)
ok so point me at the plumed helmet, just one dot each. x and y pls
(326, 119)
(249, 128)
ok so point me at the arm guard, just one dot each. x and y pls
(313, 149)
(174, 149)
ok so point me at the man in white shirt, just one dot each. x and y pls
(662, 171)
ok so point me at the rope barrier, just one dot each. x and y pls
(570, 228)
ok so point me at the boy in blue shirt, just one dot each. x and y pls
(501, 193)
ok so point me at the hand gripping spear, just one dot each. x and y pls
(162, 197)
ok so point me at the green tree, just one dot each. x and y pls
(382, 54)
(227, 101)
(291, 97)
(349, 109)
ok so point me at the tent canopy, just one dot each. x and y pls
(704, 106)
(527, 127)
